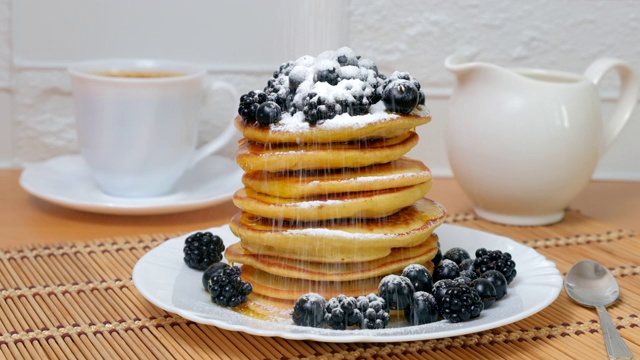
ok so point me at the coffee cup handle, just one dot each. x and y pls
(227, 134)
(628, 93)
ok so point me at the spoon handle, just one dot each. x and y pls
(616, 347)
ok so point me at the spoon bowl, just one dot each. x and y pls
(590, 284)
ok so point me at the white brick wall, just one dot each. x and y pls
(36, 120)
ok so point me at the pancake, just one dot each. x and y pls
(365, 204)
(397, 260)
(339, 240)
(377, 124)
(279, 287)
(253, 156)
(298, 184)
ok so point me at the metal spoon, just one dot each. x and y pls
(591, 284)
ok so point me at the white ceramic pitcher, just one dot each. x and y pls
(524, 142)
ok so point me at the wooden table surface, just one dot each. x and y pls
(25, 219)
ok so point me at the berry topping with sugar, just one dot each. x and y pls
(324, 87)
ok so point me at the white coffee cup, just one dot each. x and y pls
(137, 122)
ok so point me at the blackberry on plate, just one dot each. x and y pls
(309, 310)
(498, 281)
(397, 291)
(375, 314)
(495, 260)
(419, 276)
(440, 287)
(341, 312)
(460, 303)
(468, 274)
(485, 290)
(463, 280)
(423, 309)
(457, 255)
(202, 249)
(210, 271)
(446, 269)
(227, 287)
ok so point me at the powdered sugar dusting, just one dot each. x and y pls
(377, 114)
(337, 234)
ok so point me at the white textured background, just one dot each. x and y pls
(39, 38)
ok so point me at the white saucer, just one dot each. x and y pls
(66, 181)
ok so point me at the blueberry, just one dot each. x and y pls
(400, 96)
(457, 255)
(268, 113)
(446, 269)
(466, 265)
(329, 76)
(486, 290)
(498, 281)
(419, 276)
(397, 291)
(423, 309)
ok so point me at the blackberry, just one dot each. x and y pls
(375, 314)
(446, 269)
(472, 275)
(202, 249)
(423, 309)
(268, 113)
(419, 276)
(211, 270)
(400, 96)
(397, 291)
(341, 312)
(498, 281)
(309, 310)
(228, 289)
(318, 108)
(440, 287)
(278, 90)
(284, 69)
(463, 280)
(460, 303)
(457, 255)
(249, 103)
(485, 290)
(359, 95)
(495, 260)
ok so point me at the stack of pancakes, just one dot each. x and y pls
(331, 208)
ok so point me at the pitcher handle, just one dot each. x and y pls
(227, 134)
(628, 93)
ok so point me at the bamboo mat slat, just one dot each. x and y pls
(78, 301)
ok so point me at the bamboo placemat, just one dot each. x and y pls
(78, 301)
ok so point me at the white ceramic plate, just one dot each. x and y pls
(163, 278)
(66, 181)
